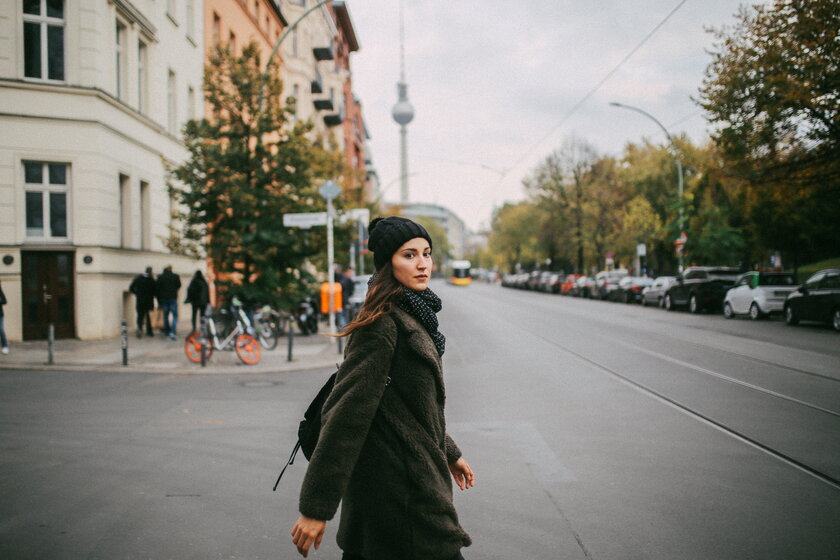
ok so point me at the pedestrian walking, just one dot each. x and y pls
(345, 279)
(4, 343)
(383, 450)
(144, 289)
(168, 284)
(198, 295)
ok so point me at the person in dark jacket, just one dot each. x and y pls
(168, 285)
(345, 278)
(144, 289)
(4, 343)
(383, 450)
(198, 294)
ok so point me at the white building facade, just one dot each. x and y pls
(456, 230)
(310, 70)
(93, 94)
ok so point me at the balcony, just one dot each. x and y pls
(317, 85)
(323, 104)
(323, 53)
(334, 119)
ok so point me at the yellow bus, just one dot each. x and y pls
(459, 274)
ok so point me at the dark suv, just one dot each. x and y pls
(818, 299)
(700, 288)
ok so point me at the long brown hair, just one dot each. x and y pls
(380, 299)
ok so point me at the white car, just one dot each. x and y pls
(758, 294)
(655, 293)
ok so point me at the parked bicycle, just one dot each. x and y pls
(269, 326)
(238, 339)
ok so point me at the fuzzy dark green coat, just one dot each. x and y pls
(383, 451)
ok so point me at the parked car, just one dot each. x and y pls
(629, 289)
(544, 281)
(758, 294)
(700, 288)
(360, 287)
(655, 293)
(569, 283)
(583, 287)
(554, 282)
(606, 281)
(818, 299)
(533, 281)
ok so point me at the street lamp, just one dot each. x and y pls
(676, 159)
(279, 42)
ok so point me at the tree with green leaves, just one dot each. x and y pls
(514, 238)
(558, 185)
(248, 165)
(772, 92)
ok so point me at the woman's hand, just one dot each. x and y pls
(462, 473)
(306, 532)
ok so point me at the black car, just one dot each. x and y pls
(818, 299)
(701, 288)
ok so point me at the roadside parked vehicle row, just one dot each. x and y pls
(703, 289)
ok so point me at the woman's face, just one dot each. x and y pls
(412, 264)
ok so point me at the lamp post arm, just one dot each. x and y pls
(279, 42)
(676, 160)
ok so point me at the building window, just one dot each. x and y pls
(190, 19)
(232, 42)
(142, 69)
(46, 186)
(217, 29)
(190, 102)
(125, 211)
(145, 216)
(171, 104)
(170, 10)
(43, 39)
(120, 62)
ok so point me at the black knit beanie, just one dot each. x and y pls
(389, 234)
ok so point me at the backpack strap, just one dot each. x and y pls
(290, 462)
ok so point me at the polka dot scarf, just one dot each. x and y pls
(423, 306)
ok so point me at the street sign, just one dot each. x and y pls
(356, 215)
(305, 220)
(679, 243)
(329, 190)
(641, 250)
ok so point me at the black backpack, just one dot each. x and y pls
(310, 427)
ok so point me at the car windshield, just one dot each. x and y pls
(775, 280)
(723, 274)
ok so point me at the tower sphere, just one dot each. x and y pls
(403, 112)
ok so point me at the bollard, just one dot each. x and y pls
(291, 341)
(124, 341)
(203, 339)
(50, 342)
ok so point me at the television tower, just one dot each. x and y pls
(403, 113)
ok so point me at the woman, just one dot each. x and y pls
(198, 294)
(383, 451)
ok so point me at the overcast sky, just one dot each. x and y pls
(492, 83)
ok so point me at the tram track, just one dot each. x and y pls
(695, 412)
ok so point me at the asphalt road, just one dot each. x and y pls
(597, 430)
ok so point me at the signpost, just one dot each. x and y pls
(329, 190)
(305, 220)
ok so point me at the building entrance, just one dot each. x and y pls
(48, 292)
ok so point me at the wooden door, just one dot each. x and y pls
(48, 294)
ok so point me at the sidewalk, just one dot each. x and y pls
(160, 355)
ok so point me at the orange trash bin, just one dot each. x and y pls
(325, 297)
